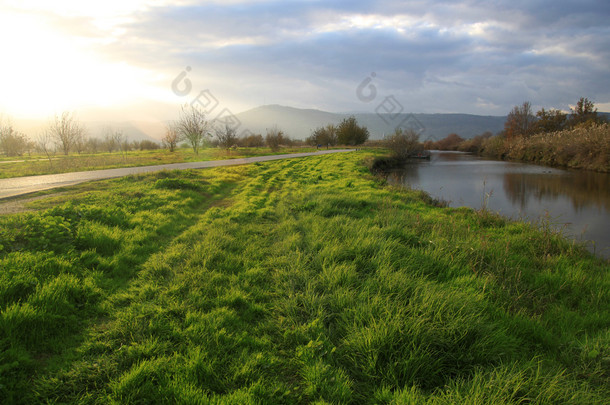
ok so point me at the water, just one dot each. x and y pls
(577, 202)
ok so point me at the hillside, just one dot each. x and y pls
(299, 123)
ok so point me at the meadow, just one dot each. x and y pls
(36, 164)
(296, 281)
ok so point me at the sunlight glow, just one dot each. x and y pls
(47, 70)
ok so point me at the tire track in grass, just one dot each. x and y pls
(120, 283)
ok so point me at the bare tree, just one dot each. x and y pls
(108, 139)
(66, 131)
(193, 126)
(119, 139)
(226, 135)
(44, 143)
(172, 136)
(93, 145)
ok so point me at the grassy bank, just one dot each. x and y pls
(294, 281)
(39, 164)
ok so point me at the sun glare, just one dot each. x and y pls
(47, 71)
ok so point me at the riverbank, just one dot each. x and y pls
(584, 147)
(292, 282)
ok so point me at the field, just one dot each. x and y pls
(296, 281)
(39, 164)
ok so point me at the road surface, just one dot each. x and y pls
(24, 185)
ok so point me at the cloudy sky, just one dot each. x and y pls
(141, 59)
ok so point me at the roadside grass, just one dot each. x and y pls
(295, 281)
(38, 164)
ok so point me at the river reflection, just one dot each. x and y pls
(576, 201)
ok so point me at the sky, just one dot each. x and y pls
(142, 59)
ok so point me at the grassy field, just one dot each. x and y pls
(294, 281)
(39, 164)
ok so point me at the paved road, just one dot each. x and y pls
(24, 185)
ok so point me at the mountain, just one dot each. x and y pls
(299, 123)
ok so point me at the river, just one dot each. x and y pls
(576, 202)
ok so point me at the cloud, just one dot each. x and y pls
(436, 56)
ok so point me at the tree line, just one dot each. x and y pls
(578, 139)
(66, 134)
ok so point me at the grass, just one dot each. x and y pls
(294, 281)
(39, 164)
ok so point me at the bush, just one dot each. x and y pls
(403, 143)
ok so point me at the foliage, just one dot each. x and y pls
(13, 143)
(350, 133)
(403, 143)
(520, 121)
(494, 147)
(585, 113)
(252, 141)
(585, 147)
(450, 142)
(324, 136)
(474, 145)
(550, 120)
(275, 138)
(294, 281)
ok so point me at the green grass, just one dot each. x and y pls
(39, 164)
(294, 281)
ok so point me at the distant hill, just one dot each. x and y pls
(299, 123)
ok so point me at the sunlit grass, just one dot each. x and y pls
(39, 164)
(295, 281)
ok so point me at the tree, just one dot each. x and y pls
(274, 138)
(172, 137)
(66, 131)
(93, 145)
(520, 121)
(226, 135)
(253, 141)
(119, 139)
(403, 143)
(323, 136)
(585, 112)
(475, 144)
(13, 143)
(350, 133)
(450, 142)
(550, 120)
(44, 144)
(146, 144)
(193, 127)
